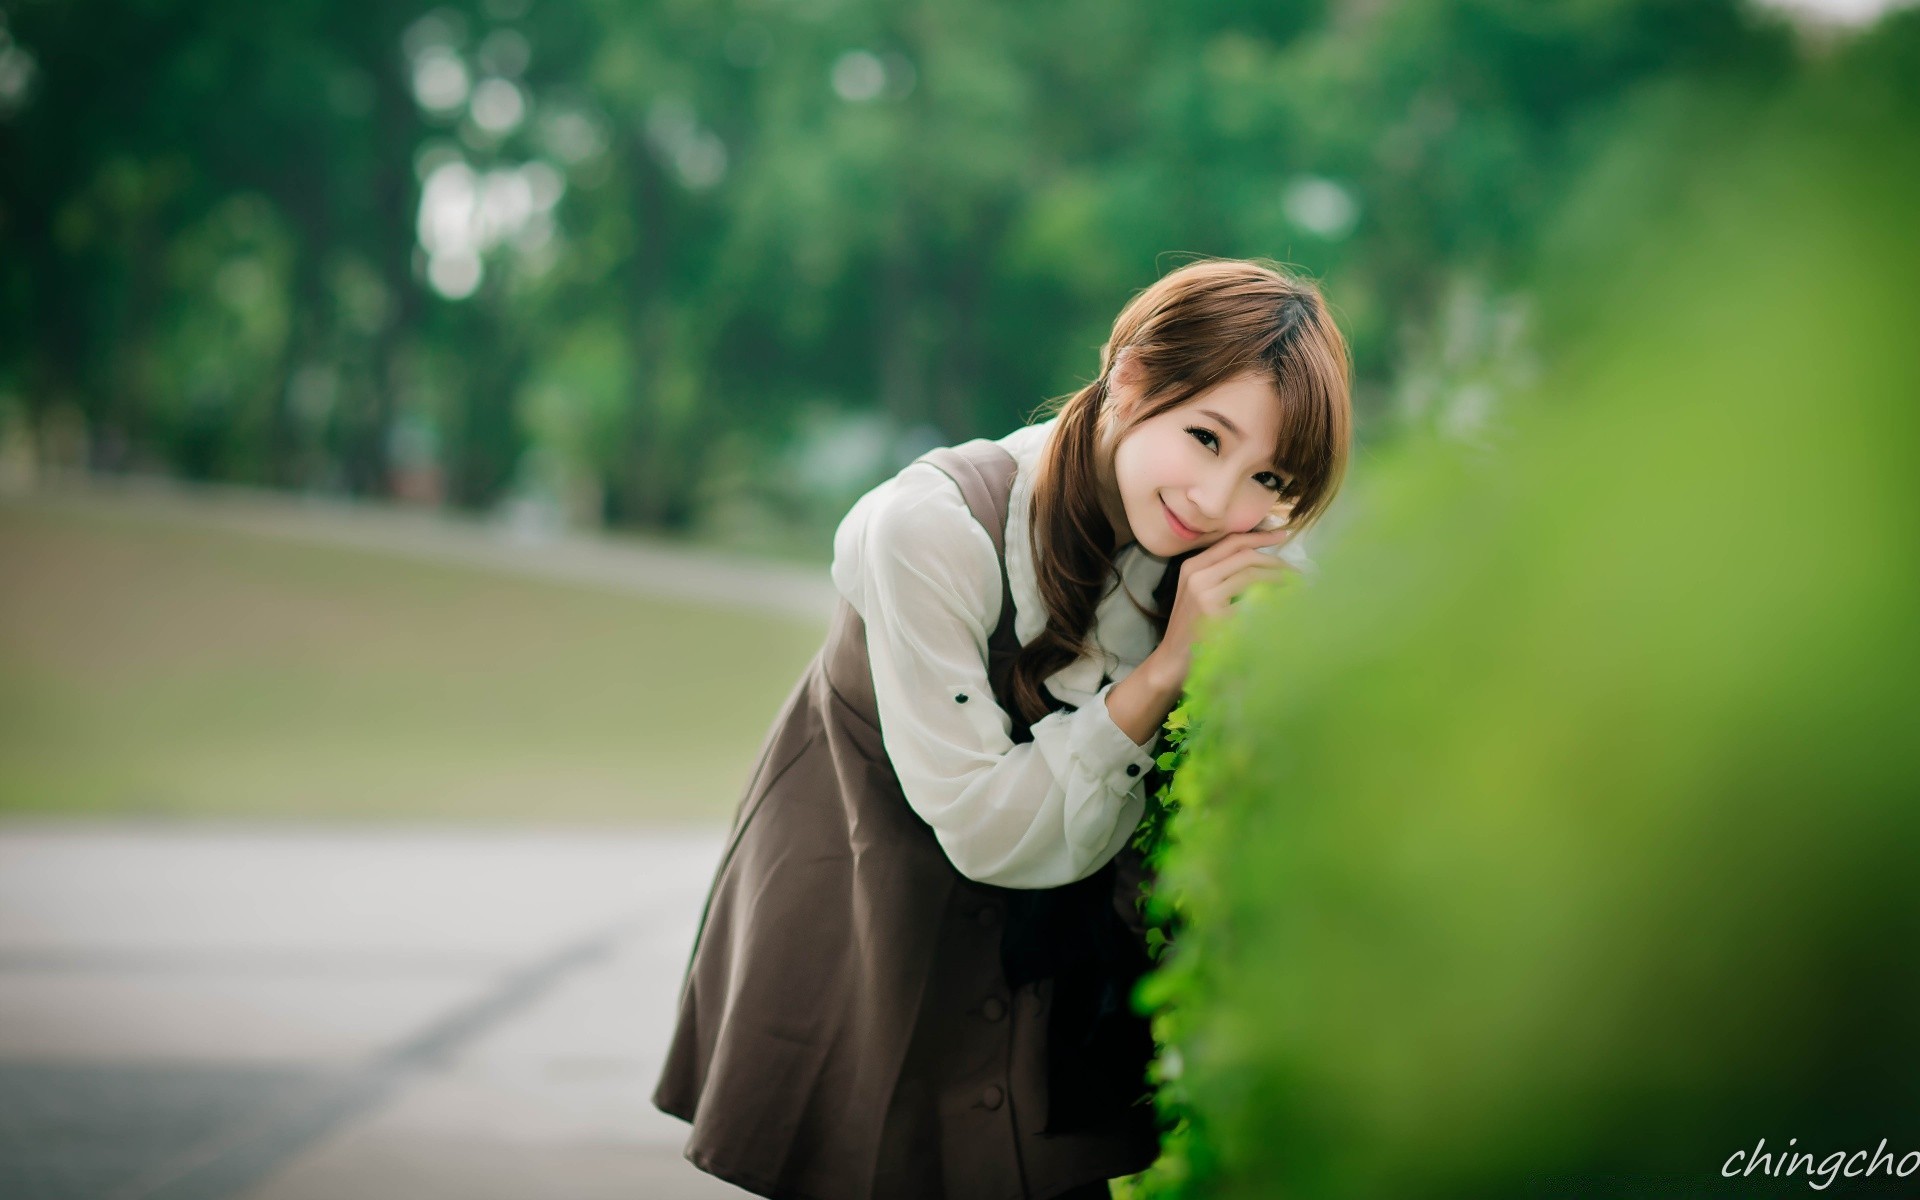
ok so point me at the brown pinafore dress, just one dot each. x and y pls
(860, 1021)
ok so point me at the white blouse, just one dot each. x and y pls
(922, 574)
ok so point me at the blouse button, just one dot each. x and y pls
(992, 1096)
(961, 698)
(993, 1009)
(1133, 768)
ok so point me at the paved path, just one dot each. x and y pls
(279, 1013)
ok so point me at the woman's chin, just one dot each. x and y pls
(1163, 546)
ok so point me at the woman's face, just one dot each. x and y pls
(1191, 475)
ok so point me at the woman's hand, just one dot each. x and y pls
(1209, 583)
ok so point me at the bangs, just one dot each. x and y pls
(1314, 431)
(1311, 377)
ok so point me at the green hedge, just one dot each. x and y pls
(1558, 840)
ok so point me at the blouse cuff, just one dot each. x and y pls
(1127, 762)
(1104, 775)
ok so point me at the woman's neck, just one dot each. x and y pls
(1110, 503)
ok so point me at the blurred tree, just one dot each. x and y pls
(929, 211)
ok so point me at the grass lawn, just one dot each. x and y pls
(158, 669)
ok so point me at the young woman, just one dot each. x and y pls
(912, 975)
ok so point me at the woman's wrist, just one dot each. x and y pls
(1139, 704)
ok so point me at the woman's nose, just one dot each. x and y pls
(1210, 499)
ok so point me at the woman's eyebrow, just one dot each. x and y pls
(1235, 431)
(1231, 427)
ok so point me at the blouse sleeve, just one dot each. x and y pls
(924, 577)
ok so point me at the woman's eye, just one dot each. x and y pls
(1200, 431)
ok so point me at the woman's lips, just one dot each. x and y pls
(1173, 521)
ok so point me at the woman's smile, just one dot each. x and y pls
(1186, 533)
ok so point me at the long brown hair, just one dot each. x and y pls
(1199, 325)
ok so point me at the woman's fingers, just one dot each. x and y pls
(1266, 569)
(1227, 546)
(1210, 577)
(1254, 572)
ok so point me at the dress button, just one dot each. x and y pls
(993, 1009)
(992, 1096)
(988, 916)
(1133, 768)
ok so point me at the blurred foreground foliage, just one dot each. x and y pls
(1559, 839)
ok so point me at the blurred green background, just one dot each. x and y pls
(380, 382)
(698, 273)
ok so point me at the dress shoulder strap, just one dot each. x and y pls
(984, 470)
